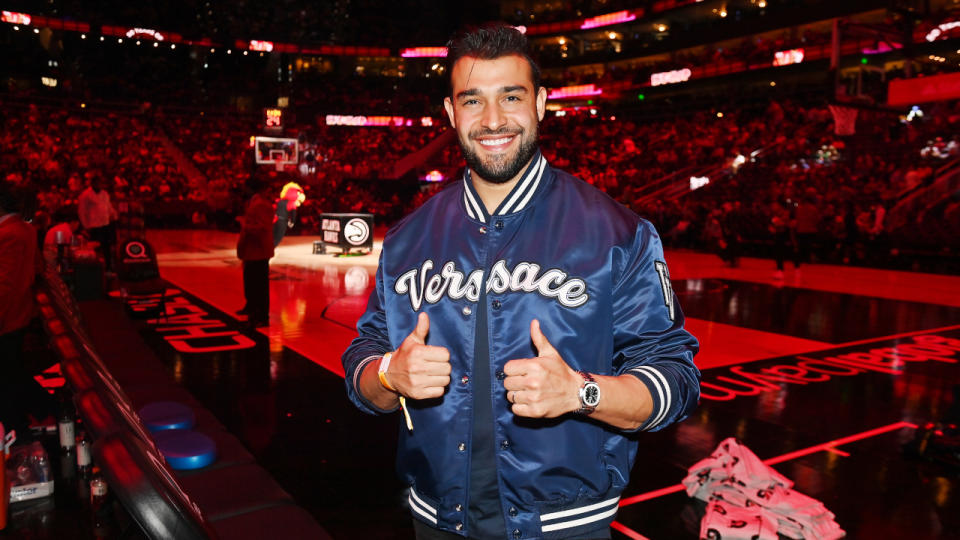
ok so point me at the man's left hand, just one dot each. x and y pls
(541, 387)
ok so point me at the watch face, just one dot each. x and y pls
(591, 394)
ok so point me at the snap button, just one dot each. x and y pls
(513, 512)
(517, 533)
(464, 379)
(504, 444)
(483, 230)
(458, 508)
(467, 311)
(499, 225)
(459, 526)
(461, 447)
(496, 304)
(501, 375)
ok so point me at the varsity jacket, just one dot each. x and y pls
(593, 273)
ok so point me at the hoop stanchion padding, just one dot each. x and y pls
(184, 449)
(164, 415)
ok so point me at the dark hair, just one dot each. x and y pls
(489, 42)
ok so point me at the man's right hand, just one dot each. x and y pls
(418, 370)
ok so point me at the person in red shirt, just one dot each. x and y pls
(18, 269)
(255, 248)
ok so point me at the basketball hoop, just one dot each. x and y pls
(844, 119)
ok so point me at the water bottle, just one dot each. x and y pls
(39, 463)
(98, 497)
(83, 453)
(66, 426)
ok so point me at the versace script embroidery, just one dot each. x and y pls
(422, 286)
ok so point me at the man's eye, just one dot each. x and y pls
(513, 98)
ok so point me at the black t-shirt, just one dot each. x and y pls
(485, 518)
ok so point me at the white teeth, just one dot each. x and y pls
(495, 142)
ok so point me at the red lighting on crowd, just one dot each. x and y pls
(418, 52)
(14, 17)
(575, 91)
(261, 46)
(608, 19)
(792, 56)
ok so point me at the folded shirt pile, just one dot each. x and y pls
(748, 500)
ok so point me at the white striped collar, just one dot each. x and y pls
(518, 199)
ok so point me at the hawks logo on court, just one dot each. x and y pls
(525, 277)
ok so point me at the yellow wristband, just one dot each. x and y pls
(382, 375)
(382, 371)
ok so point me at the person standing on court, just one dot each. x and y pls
(523, 321)
(19, 393)
(97, 216)
(255, 248)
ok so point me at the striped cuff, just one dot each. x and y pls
(660, 391)
(578, 517)
(420, 507)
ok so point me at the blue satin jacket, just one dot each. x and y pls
(593, 273)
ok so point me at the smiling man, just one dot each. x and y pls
(525, 324)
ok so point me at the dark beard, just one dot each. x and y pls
(501, 172)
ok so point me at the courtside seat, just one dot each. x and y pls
(230, 452)
(275, 522)
(232, 490)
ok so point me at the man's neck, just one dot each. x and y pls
(491, 193)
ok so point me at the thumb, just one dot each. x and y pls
(540, 341)
(423, 327)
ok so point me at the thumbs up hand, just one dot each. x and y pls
(544, 386)
(418, 370)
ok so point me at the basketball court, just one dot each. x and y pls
(827, 375)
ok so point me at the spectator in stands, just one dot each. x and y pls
(97, 216)
(18, 268)
(255, 248)
(65, 226)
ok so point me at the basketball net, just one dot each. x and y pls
(844, 119)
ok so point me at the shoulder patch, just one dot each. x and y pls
(665, 286)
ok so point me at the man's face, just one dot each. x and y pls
(495, 110)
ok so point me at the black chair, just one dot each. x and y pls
(138, 276)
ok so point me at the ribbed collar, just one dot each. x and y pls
(517, 200)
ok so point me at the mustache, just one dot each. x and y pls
(485, 132)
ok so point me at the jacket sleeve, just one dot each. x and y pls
(650, 341)
(370, 344)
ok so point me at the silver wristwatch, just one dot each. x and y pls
(589, 394)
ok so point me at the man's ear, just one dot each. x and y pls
(541, 102)
(448, 105)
